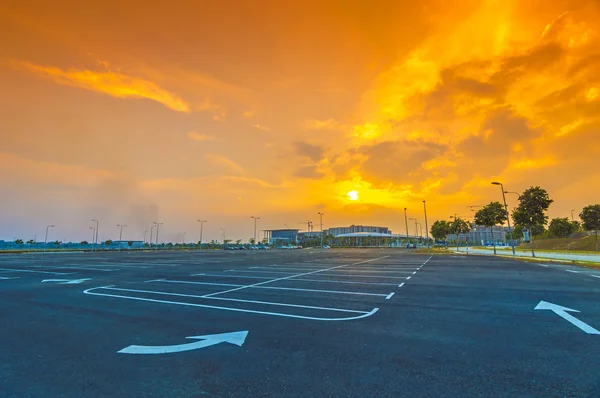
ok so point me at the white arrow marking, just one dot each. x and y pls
(67, 281)
(562, 312)
(236, 338)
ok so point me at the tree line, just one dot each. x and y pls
(530, 215)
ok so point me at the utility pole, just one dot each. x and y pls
(46, 239)
(572, 218)
(150, 241)
(93, 237)
(426, 227)
(97, 230)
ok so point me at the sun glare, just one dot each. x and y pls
(353, 195)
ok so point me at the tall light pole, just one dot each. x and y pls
(201, 228)
(121, 233)
(416, 228)
(223, 233)
(145, 232)
(158, 224)
(97, 229)
(407, 236)
(426, 227)
(46, 238)
(150, 241)
(512, 243)
(321, 218)
(93, 236)
(255, 218)
(572, 218)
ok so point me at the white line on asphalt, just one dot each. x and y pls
(5, 277)
(354, 275)
(409, 277)
(267, 287)
(389, 296)
(239, 300)
(365, 315)
(37, 272)
(570, 270)
(595, 276)
(400, 285)
(84, 268)
(543, 265)
(297, 279)
(293, 276)
(414, 272)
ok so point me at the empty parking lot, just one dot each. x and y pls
(294, 323)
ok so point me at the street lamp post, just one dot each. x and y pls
(93, 236)
(321, 218)
(407, 236)
(572, 218)
(150, 240)
(223, 233)
(46, 238)
(97, 230)
(255, 218)
(426, 227)
(201, 228)
(121, 235)
(158, 224)
(512, 243)
(145, 232)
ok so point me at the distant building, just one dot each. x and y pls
(480, 235)
(279, 237)
(352, 229)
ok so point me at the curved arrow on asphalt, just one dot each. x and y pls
(562, 312)
(208, 340)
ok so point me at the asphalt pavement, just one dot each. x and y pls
(296, 323)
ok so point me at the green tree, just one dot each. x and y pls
(30, 242)
(251, 240)
(108, 242)
(459, 226)
(440, 230)
(84, 242)
(237, 242)
(490, 216)
(19, 241)
(531, 211)
(590, 217)
(561, 227)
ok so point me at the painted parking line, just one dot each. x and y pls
(296, 279)
(36, 272)
(322, 274)
(570, 270)
(258, 286)
(3, 278)
(80, 268)
(316, 269)
(293, 276)
(595, 276)
(93, 291)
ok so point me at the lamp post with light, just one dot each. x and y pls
(512, 243)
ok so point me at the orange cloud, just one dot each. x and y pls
(111, 83)
(192, 135)
(328, 124)
(226, 163)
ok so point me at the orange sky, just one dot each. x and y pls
(133, 112)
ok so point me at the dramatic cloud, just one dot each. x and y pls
(226, 163)
(311, 151)
(111, 83)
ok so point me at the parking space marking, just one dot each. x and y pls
(3, 278)
(570, 270)
(355, 275)
(400, 285)
(345, 269)
(293, 276)
(296, 279)
(389, 296)
(92, 292)
(37, 272)
(595, 276)
(80, 268)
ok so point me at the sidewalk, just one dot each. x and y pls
(592, 258)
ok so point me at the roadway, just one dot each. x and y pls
(336, 323)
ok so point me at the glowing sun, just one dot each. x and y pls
(353, 195)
